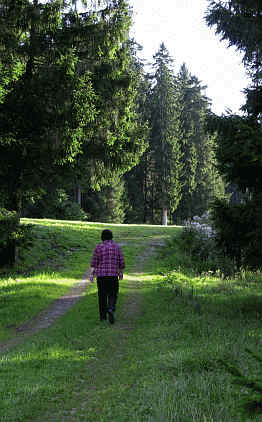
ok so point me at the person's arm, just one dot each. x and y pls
(121, 265)
(92, 274)
(93, 266)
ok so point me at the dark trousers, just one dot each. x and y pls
(108, 287)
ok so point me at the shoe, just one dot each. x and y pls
(103, 318)
(111, 316)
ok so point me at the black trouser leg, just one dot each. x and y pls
(116, 290)
(107, 294)
(102, 299)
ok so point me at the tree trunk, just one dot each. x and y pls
(78, 195)
(164, 220)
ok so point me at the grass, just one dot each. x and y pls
(163, 359)
(60, 256)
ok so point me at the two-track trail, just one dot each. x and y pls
(61, 305)
(103, 370)
(102, 376)
(48, 316)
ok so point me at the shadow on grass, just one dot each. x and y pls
(230, 300)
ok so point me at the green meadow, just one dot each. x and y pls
(164, 358)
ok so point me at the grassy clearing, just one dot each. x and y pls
(161, 363)
(58, 259)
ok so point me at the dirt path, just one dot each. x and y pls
(132, 307)
(109, 362)
(61, 305)
(48, 316)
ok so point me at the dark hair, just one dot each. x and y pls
(106, 235)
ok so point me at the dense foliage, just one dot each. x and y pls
(12, 235)
(72, 103)
(82, 121)
(239, 137)
(238, 230)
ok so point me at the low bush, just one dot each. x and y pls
(238, 231)
(12, 235)
(9, 222)
(198, 241)
(56, 205)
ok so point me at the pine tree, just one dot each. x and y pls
(239, 149)
(36, 115)
(11, 67)
(185, 93)
(78, 85)
(164, 139)
(200, 180)
(139, 178)
(239, 23)
(108, 204)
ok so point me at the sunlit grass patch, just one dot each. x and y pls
(60, 256)
(23, 299)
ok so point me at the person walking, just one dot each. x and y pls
(107, 266)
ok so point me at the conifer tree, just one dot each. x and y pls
(187, 111)
(139, 178)
(239, 148)
(74, 96)
(108, 204)
(164, 138)
(200, 179)
(11, 67)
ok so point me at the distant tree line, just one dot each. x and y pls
(176, 177)
(86, 132)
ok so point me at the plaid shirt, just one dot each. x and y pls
(107, 259)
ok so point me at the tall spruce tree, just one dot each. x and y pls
(74, 96)
(165, 147)
(11, 67)
(200, 179)
(239, 148)
(119, 131)
(139, 178)
(187, 111)
(108, 204)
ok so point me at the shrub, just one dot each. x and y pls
(198, 240)
(12, 235)
(65, 209)
(9, 222)
(56, 205)
(239, 231)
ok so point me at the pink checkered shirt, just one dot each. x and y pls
(107, 259)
